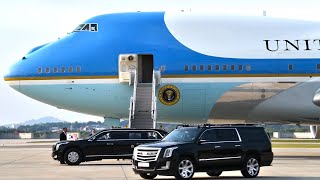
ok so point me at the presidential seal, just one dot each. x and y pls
(169, 95)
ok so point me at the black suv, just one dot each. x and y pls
(206, 148)
(106, 144)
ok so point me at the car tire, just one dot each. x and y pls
(251, 167)
(184, 169)
(73, 157)
(148, 175)
(214, 173)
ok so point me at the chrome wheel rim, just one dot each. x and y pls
(73, 156)
(253, 167)
(186, 168)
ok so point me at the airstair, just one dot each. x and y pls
(143, 103)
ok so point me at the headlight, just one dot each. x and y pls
(168, 152)
(58, 145)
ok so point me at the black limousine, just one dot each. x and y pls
(106, 144)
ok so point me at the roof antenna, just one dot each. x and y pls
(264, 13)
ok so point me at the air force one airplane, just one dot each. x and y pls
(180, 67)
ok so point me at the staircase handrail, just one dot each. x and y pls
(134, 92)
(130, 110)
(154, 100)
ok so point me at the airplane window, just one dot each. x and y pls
(162, 68)
(86, 28)
(224, 67)
(78, 69)
(70, 69)
(290, 67)
(39, 70)
(248, 67)
(194, 68)
(318, 66)
(232, 67)
(63, 69)
(186, 68)
(209, 68)
(47, 70)
(240, 67)
(217, 67)
(201, 67)
(55, 70)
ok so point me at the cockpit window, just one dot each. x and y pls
(79, 27)
(92, 27)
(86, 28)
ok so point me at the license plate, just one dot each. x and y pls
(141, 164)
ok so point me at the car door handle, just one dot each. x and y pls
(109, 144)
(237, 145)
(217, 146)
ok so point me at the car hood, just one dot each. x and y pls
(163, 144)
(69, 142)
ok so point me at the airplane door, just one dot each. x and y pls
(145, 68)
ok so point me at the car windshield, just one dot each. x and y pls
(182, 135)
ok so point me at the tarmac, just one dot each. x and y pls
(22, 160)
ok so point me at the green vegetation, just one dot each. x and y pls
(40, 142)
(296, 145)
(296, 140)
(48, 127)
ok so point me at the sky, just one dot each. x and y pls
(27, 24)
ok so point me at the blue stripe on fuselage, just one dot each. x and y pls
(139, 33)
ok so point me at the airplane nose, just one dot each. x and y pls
(11, 77)
(316, 98)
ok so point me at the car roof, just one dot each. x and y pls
(131, 129)
(213, 126)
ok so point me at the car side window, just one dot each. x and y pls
(209, 136)
(226, 135)
(120, 135)
(135, 135)
(153, 135)
(104, 136)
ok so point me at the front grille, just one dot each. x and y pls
(146, 154)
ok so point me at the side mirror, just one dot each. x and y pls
(202, 141)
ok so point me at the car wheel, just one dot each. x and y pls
(148, 176)
(73, 157)
(185, 169)
(214, 173)
(252, 167)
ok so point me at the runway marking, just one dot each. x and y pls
(20, 159)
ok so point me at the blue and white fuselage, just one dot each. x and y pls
(227, 68)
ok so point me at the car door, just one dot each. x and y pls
(101, 146)
(223, 148)
(122, 144)
(206, 148)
